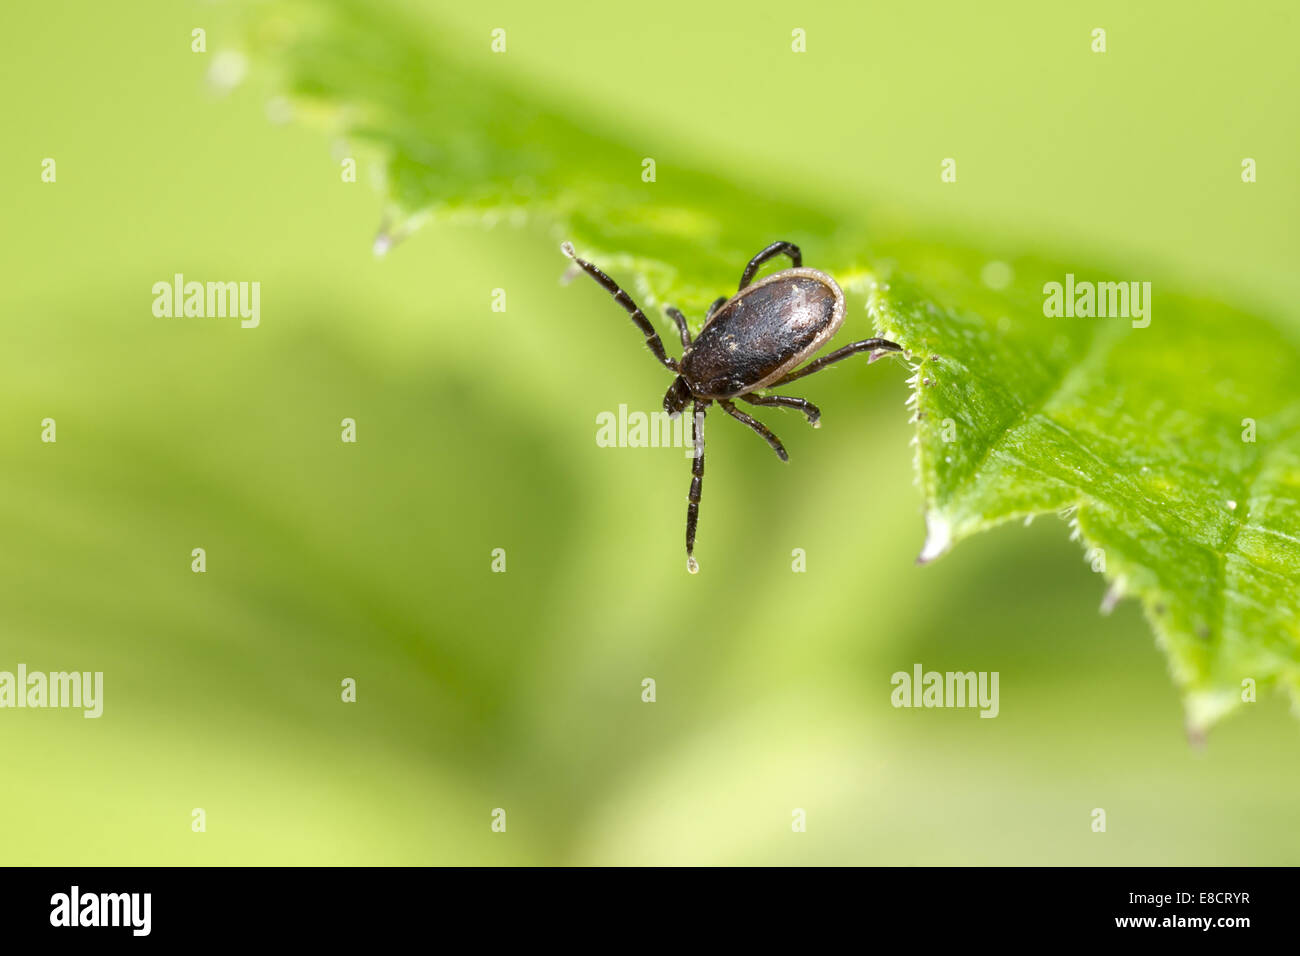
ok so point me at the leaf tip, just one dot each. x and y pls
(1204, 709)
(938, 538)
(1112, 596)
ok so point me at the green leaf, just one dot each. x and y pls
(1136, 434)
(464, 143)
(1174, 450)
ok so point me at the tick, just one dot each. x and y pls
(755, 340)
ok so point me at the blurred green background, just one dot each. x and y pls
(476, 431)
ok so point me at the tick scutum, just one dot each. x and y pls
(762, 332)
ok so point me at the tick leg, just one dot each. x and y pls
(771, 252)
(697, 480)
(758, 426)
(682, 327)
(717, 304)
(866, 345)
(788, 401)
(652, 339)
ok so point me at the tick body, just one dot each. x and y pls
(756, 339)
(762, 332)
